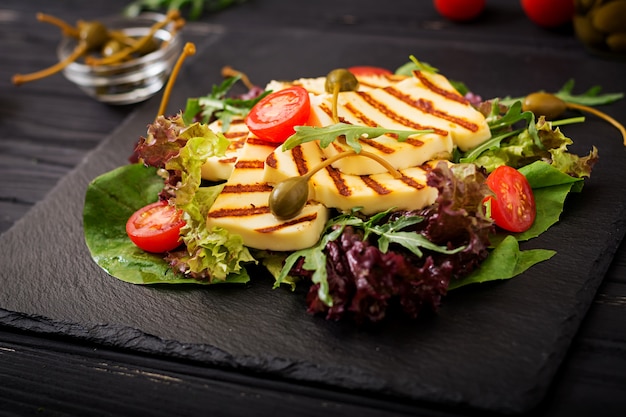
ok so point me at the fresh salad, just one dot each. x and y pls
(374, 189)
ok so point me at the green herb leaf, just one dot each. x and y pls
(217, 105)
(591, 97)
(314, 260)
(352, 133)
(504, 262)
(550, 189)
(109, 201)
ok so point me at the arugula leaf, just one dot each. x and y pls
(391, 232)
(352, 133)
(591, 97)
(388, 232)
(217, 105)
(415, 65)
(314, 260)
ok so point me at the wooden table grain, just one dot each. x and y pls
(47, 128)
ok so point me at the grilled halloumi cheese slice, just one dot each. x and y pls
(242, 207)
(219, 168)
(423, 102)
(317, 86)
(335, 189)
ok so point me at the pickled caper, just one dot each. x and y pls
(289, 197)
(172, 16)
(617, 42)
(339, 80)
(550, 106)
(94, 34)
(586, 32)
(91, 35)
(544, 104)
(342, 79)
(113, 46)
(610, 17)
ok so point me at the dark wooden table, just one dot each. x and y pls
(49, 126)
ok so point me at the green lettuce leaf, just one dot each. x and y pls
(504, 262)
(109, 201)
(550, 188)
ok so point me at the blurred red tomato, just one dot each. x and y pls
(549, 13)
(460, 10)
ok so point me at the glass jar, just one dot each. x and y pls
(601, 26)
(131, 81)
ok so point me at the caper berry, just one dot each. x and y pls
(150, 45)
(113, 46)
(289, 197)
(544, 104)
(551, 106)
(610, 17)
(94, 34)
(343, 78)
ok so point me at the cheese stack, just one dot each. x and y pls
(423, 101)
(242, 207)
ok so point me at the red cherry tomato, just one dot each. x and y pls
(513, 206)
(549, 13)
(365, 71)
(460, 10)
(273, 118)
(155, 227)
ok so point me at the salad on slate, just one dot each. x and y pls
(373, 189)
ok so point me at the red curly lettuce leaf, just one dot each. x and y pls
(359, 269)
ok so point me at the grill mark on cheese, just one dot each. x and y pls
(228, 160)
(450, 95)
(366, 84)
(246, 188)
(339, 182)
(251, 164)
(253, 140)
(378, 146)
(235, 135)
(412, 183)
(239, 212)
(271, 160)
(426, 106)
(300, 160)
(359, 115)
(377, 187)
(414, 142)
(382, 108)
(282, 225)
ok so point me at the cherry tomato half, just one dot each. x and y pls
(513, 206)
(366, 70)
(549, 13)
(155, 227)
(460, 10)
(274, 117)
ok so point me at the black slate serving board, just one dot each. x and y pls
(493, 347)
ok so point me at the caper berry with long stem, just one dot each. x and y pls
(551, 106)
(289, 196)
(188, 50)
(91, 35)
(172, 16)
(336, 81)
